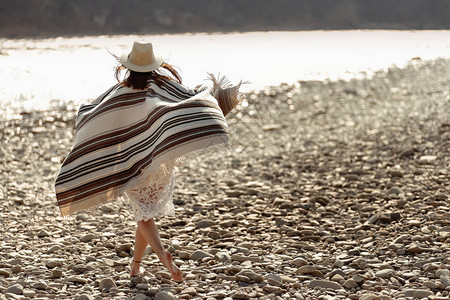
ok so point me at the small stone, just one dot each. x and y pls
(183, 255)
(441, 272)
(223, 256)
(350, 283)
(53, 264)
(124, 247)
(57, 273)
(271, 289)
(369, 296)
(163, 274)
(326, 284)
(16, 269)
(142, 286)
(205, 223)
(75, 279)
(337, 278)
(189, 291)
(84, 297)
(16, 289)
(445, 279)
(394, 190)
(39, 286)
(79, 268)
(385, 273)
(29, 293)
(417, 293)
(88, 237)
(107, 283)
(140, 297)
(255, 277)
(53, 248)
(200, 254)
(427, 159)
(82, 217)
(4, 273)
(164, 295)
(308, 269)
(42, 233)
(299, 262)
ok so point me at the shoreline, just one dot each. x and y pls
(336, 189)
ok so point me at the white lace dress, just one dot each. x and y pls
(152, 197)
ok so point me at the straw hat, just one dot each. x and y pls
(142, 58)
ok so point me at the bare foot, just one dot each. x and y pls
(134, 268)
(167, 261)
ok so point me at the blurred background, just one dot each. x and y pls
(266, 42)
(22, 18)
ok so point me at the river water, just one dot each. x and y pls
(37, 73)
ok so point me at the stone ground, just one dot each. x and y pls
(336, 190)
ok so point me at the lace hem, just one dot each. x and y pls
(152, 196)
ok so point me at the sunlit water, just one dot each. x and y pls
(36, 72)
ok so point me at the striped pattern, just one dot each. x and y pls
(125, 133)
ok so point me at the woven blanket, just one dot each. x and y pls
(126, 134)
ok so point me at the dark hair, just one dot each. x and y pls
(140, 80)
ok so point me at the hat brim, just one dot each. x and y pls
(147, 68)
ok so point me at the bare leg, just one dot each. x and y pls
(139, 249)
(150, 233)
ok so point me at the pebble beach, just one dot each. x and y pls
(335, 190)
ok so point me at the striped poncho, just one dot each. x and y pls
(127, 134)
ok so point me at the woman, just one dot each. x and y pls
(128, 140)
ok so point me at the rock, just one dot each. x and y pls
(441, 272)
(385, 273)
(337, 278)
(29, 293)
(445, 279)
(124, 247)
(82, 217)
(272, 289)
(4, 273)
(53, 264)
(326, 284)
(39, 286)
(369, 296)
(163, 274)
(395, 190)
(57, 273)
(142, 286)
(205, 223)
(385, 218)
(87, 237)
(350, 283)
(299, 262)
(200, 254)
(189, 291)
(75, 279)
(42, 233)
(164, 295)
(140, 297)
(416, 293)
(16, 289)
(107, 283)
(79, 268)
(84, 297)
(308, 269)
(53, 249)
(427, 159)
(223, 256)
(183, 255)
(16, 269)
